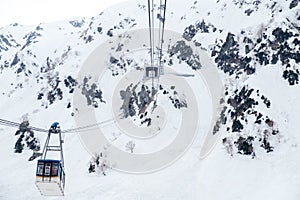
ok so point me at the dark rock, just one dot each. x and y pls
(92, 93)
(110, 33)
(293, 4)
(244, 145)
(266, 145)
(263, 58)
(185, 53)
(19, 146)
(15, 60)
(77, 23)
(274, 59)
(21, 68)
(34, 156)
(40, 96)
(189, 32)
(147, 121)
(269, 122)
(26, 136)
(291, 76)
(99, 29)
(228, 43)
(281, 35)
(88, 39)
(70, 83)
(91, 168)
(31, 38)
(202, 27)
(229, 60)
(248, 11)
(113, 60)
(247, 49)
(237, 126)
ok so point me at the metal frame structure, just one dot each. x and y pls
(50, 175)
(59, 148)
(156, 63)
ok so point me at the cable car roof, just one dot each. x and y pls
(48, 160)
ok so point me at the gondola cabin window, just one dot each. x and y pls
(54, 171)
(47, 169)
(40, 169)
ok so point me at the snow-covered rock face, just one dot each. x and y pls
(254, 44)
(47, 57)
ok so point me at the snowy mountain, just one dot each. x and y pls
(255, 47)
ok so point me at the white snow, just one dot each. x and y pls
(275, 175)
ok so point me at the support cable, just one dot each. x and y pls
(150, 32)
(8, 123)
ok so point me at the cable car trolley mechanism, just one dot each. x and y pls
(50, 175)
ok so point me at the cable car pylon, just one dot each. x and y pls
(50, 175)
(156, 68)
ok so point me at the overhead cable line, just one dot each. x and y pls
(4, 122)
(150, 32)
(8, 123)
(161, 37)
(87, 127)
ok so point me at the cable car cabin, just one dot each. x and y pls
(151, 72)
(50, 177)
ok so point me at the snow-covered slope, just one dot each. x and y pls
(255, 46)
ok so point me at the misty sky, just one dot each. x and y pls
(33, 12)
